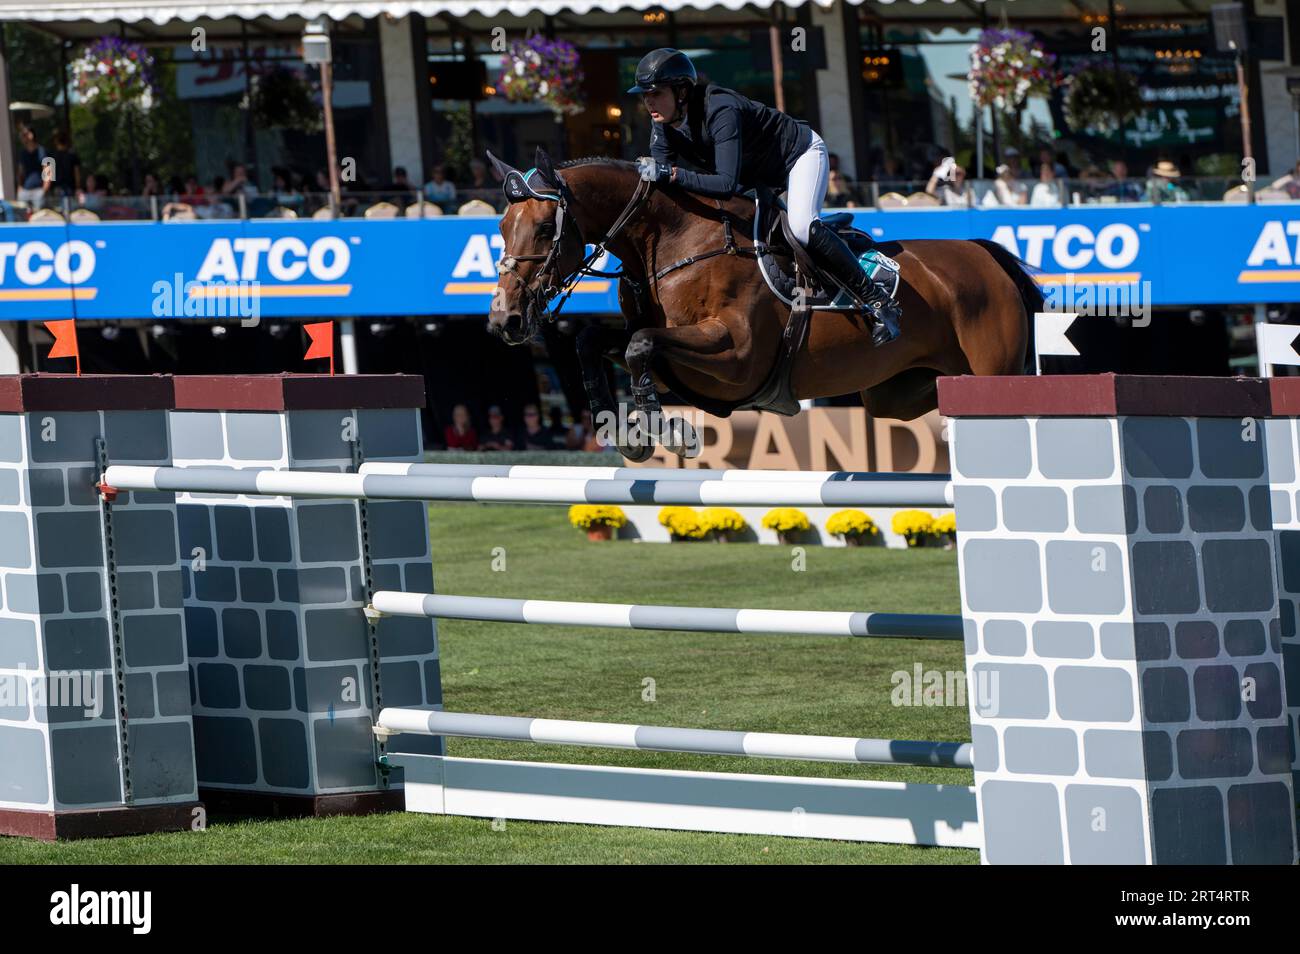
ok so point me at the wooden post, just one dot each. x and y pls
(331, 147)
(778, 61)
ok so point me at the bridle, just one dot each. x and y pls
(550, 284)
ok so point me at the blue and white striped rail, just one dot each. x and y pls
(724, 493)
(614, 735)
(547, 472)
(690, 619)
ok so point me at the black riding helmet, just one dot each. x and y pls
(663, 67)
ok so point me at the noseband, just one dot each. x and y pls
(549, 284)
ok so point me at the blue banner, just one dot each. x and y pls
(1189, 255)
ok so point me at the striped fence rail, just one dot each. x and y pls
(551, 472)
(615, 735)
(830, 493)
(692, 619)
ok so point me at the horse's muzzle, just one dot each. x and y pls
(514, 328)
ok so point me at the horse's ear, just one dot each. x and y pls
(500, 168)
(546, 170)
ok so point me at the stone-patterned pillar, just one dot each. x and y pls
(1284, 476)
(75, 759)
(280, 650)
(1117, 575)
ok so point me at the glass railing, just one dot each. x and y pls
(892, 194)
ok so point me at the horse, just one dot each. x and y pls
(702, 322)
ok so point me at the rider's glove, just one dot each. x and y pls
(652, 170)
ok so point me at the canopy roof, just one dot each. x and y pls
(151, 15)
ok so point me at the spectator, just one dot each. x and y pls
(1162, 183)
(93, 193)
(497, 437)
(193, 194)
(460, 433)
(1289, 183)
(948, 184)
(1047, 190)
(1121, 187)
(151, 185)
(478, 177)
(1011, 158)
(891, 170)
(31, 182)
(533, 434)
(838, 193)
(439, 188)
(1046, 155)
(67, 168)
(401, 190)
(239, 182)
(559, 430)
(1007, 189)
(283, 190)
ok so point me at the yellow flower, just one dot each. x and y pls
(845, 523)
(586, 516)
(785, 520)
(915, 525)
(945, 523)
(683, 523)
(721, 519)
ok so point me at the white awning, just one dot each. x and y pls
(163, 11)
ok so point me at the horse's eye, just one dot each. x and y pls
(546, 230)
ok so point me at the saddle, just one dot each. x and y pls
(785, 266)
(783, 261)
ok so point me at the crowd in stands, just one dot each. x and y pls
(530, 433)
(54, 178)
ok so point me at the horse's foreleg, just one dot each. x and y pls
(710, 337)
(596, 344)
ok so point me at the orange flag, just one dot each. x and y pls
(65, 340)
(322, 341)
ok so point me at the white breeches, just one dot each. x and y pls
(806, 188)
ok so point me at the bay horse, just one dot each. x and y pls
(701, 319)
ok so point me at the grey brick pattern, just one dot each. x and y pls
(60, 729)
(273, 593)
(1284, 479)
(1122, 645)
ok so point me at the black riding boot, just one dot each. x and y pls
(829, 250)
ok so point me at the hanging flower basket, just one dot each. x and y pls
(539, 70)
(1007, 67)
(112, 73)
(1101, 99)
(282, 99)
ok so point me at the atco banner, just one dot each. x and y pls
(1189, 255)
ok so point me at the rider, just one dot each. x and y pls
(747, 144)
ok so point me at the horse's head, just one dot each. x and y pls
(543, 247)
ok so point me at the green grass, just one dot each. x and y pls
(825, 686)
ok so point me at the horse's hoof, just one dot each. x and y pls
(679, 437)
(636, 453)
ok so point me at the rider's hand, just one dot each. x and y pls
(652, 170)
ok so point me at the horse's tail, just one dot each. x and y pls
(1031, 296)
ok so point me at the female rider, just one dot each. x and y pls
(746, 144)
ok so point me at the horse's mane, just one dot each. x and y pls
(597, 161)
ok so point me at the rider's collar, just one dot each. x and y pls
(518, 188)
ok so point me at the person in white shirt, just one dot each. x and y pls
(1007, 189)
(948, 184)
(1047, 191)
